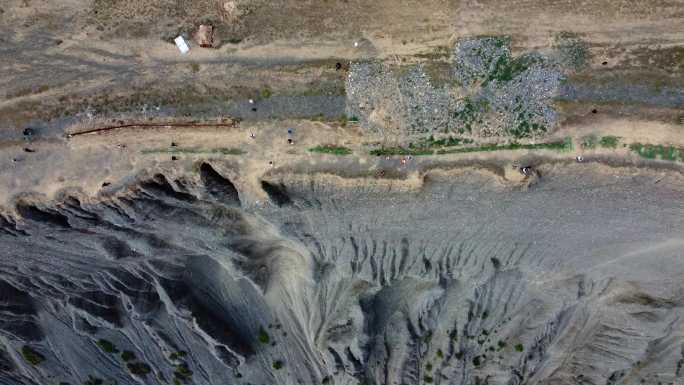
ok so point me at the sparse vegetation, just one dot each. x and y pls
(440, 353)
(609, 141)
(573, 51)
(331, 149)
(107, 346)
(179, 150)
(194, 67)
(343, 120)
(31, 356)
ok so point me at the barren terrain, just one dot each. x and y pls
(342, 192)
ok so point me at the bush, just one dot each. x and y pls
(31, 356)
(177, 355)
(93, 381)
(278, 364)
(519, 348)
(182, 372)
(609, 141)
(107, 346)
(329, 149)
(263, 337)
(266, 93)
(127, 355)
(138, 368)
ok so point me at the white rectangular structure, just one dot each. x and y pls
(182, 45)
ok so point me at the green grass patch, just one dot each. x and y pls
(657, 151)
(565, 145)
(506, 69)
(330, 149)
(107, 346)
(178, 150)
(389, 151)
(444, 142)
(31, 356)
(609, 141)
(471, 113)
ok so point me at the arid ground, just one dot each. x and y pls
(342, 192)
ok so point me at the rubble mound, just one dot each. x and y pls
(491, 94)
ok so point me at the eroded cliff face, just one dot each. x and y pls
(458, 279)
